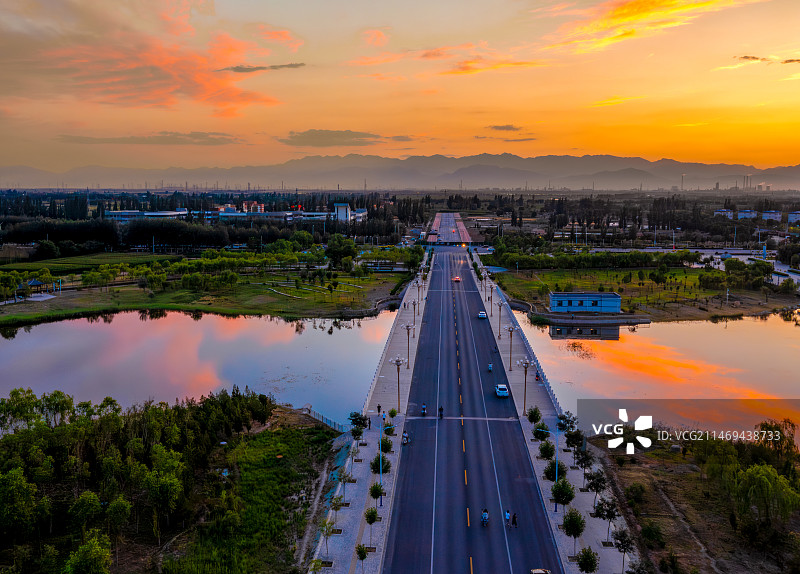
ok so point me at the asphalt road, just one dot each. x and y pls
(448, 230)
(474, 458)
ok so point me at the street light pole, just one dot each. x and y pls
(525, 363)
(499, 315)
(408, 341)
(397, 361)
(510, 329)
(414, 305)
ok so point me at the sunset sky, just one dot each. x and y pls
(159, 83)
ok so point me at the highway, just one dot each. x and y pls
(474, 458)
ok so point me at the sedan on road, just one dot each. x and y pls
(457, 279)
(501, 390)
(481, 314)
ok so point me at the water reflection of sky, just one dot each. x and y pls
(751, 358)
(329, 365)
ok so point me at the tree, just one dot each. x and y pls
(585, 461)
(371, 517)
(574, 525)
(92, 557)
(17, 502)
(546, 450)
(588, 560)
(596, 482)
(567, 422)
(541, 431)
(315, 566)
(118, 513)
(326, 528)
(344, 477)
(625, 544)
(550, 471)
(606, 509)
(762, 488)
(378, 463)
(336, 506)
(361, 553)
(563, 492)
(640, 567)
(575, 442)
(338, 248)
(376, 491)
(85, 509)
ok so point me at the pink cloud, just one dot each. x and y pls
(145, 71)
(177, 13)
(375, 38)
(284, 37)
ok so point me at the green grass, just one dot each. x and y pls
(273, 467)
(252, 298)
(79, 263)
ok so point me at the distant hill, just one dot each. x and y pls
(483, 171)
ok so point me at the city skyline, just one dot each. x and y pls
(191, 83)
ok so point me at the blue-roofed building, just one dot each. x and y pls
(585, 302)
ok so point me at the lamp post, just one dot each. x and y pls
(499, 315)
(510, 329)
(408, 329)
(491, 314)
(414, 305)
(397, 362)
(418, 287)
(525, 363)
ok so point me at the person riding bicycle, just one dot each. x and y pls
(485, 516)
(424, 409)
(405, 437)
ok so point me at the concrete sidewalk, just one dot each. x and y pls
(539, 393)
(384, 391)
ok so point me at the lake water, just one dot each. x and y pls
(751, 358)
(329, 364)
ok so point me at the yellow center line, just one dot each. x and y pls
(462, 420)
(465, 477)
(467, 516)
(463, 446)
(459, 399)
(470, 565)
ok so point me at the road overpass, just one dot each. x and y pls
(475, 457)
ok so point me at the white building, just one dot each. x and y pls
(794, 217)
(724, 213)
(771, 216)
(747, 214)
(342, 212)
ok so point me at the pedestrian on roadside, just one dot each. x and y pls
(508, 517)
(514, 521)
(369, 423)
(379, 409)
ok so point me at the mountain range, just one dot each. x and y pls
(435, 172)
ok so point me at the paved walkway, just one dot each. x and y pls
(538, 394)
(384, 392)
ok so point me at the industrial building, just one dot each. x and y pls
(585, 302)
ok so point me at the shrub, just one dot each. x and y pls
(635, 492)
(386, 444)
(653, 537)
(534, 415)
(540, 431)
(379, 461)
(550, 470)
(546, 450)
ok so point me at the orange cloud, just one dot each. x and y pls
(479, 64)
(383, 77)
(375, 38)
(177, 14)
(145, 71)
(615, 100)
(284, 37)
(617, 20)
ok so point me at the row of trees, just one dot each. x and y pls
(69, 468)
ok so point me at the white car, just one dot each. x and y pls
(501, 390)
(481, 314)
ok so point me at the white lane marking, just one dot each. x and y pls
(491, 448)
